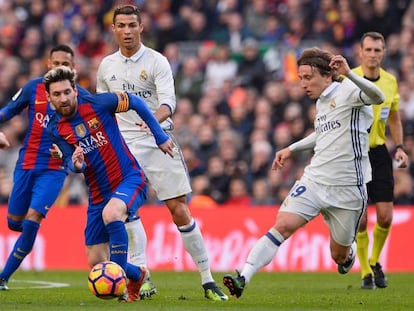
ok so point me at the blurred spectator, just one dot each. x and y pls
(194, 164)
(238, 193)
(252, 70)
(256, 16)
(219, 180)
(172, 53)
(92, 45)
(200, 197)
(220, 68)
(261, 193)
(189, 80)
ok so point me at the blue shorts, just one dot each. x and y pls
(133, 191)
(37, 189)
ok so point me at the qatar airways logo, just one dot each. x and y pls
(130, 88)
(93, 142)
(324, 125)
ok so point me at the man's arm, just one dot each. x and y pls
(396, 131)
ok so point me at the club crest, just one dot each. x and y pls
(143, 76)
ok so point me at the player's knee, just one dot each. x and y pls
(15, 225)
(384, 221)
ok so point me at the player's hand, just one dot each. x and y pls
(144, 127)
(401, 158)
(280, 158)
(78, 158)
(167, 147)
(4, 143)
(339, 63)
(55, 152)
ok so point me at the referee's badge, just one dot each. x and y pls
(143, 76)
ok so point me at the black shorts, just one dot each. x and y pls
(381, 188)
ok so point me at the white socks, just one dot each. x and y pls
(137, 243)
(262, 253)
(194, 244)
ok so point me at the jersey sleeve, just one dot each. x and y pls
(101, 86)
(165, 84)
(19, 101)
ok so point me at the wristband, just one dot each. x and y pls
(400, 146)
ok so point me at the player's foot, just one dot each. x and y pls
(3, 284)
(213, 292)
(133, 287)
(379, 276)
(147, 289)
(345, 267)
(368, 282)
(235, 284)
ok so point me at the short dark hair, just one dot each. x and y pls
(127, 10)
(374, 35)
(61, 73)
(62, 48)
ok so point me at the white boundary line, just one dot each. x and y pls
(39, 284)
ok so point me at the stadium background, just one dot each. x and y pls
(238, 102)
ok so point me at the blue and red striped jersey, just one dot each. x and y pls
(34, 153)
(94, 128)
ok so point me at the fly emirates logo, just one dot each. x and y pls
(93, 142)
(323, 125)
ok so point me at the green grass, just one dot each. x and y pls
(182, 291)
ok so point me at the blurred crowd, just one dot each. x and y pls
(234, 63)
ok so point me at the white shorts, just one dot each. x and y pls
(341, 206)
(168, 176)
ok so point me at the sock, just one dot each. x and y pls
(22, 248)
(262, 253)
(362, 252)
(132, 272)
(194, 244)
(137, 243)
(380, 236)
(118, 243)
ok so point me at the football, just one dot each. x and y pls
(107, 280)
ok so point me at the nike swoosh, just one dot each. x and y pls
(40, 102)
(21, 251)
(121, 193)
(69, 136)
(47, 207)
(117, 245)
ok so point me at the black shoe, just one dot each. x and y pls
(344, 268)
(368, 282)
(3, 284)
(235, 284)
(379, 276)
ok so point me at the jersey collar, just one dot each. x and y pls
(136, 56)
(329, 89)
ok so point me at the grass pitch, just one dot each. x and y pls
(182, 291)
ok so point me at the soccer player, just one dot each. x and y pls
(86, 132)
(381, 187)
(138, 69)
(38, 177)
(334, 183)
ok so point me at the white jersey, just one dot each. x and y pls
(148, 74)
(341, 126)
